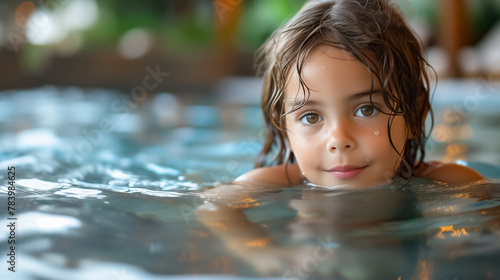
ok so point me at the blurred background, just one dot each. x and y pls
(91, 43)
(114, 111)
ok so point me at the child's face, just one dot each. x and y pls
(338, 137)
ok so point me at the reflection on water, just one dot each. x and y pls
(140, 193)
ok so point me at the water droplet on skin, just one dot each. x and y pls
(377, 132)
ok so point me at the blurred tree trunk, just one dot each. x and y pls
(454, 32)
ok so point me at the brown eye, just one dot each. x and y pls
(310, 118)
(366, 111)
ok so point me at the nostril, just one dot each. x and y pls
(340, 147)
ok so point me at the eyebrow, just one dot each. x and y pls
(364, 94)
(295, 102)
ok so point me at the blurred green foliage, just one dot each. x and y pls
(484, 14)
(261, 18)
(191, 25)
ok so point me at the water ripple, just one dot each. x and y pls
(80, 193)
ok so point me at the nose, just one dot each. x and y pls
(340, 138)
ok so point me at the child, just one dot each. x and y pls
(345, 97)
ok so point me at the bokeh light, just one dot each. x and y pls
(135, 43)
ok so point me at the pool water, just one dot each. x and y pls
(137, 190)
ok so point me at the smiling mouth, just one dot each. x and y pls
(346, 172)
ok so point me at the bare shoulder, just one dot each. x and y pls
(451, 173)
(281, 175)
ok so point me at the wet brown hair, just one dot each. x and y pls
(376, 34)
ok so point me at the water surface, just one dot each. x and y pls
(146, 194)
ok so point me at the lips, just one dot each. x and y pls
(346, 171)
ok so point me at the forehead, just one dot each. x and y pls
(332, 69)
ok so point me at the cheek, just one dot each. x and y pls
(399, 133)
(376, 143)
(298, 144)
(304, 149)
(376, 138)
(298, 138)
